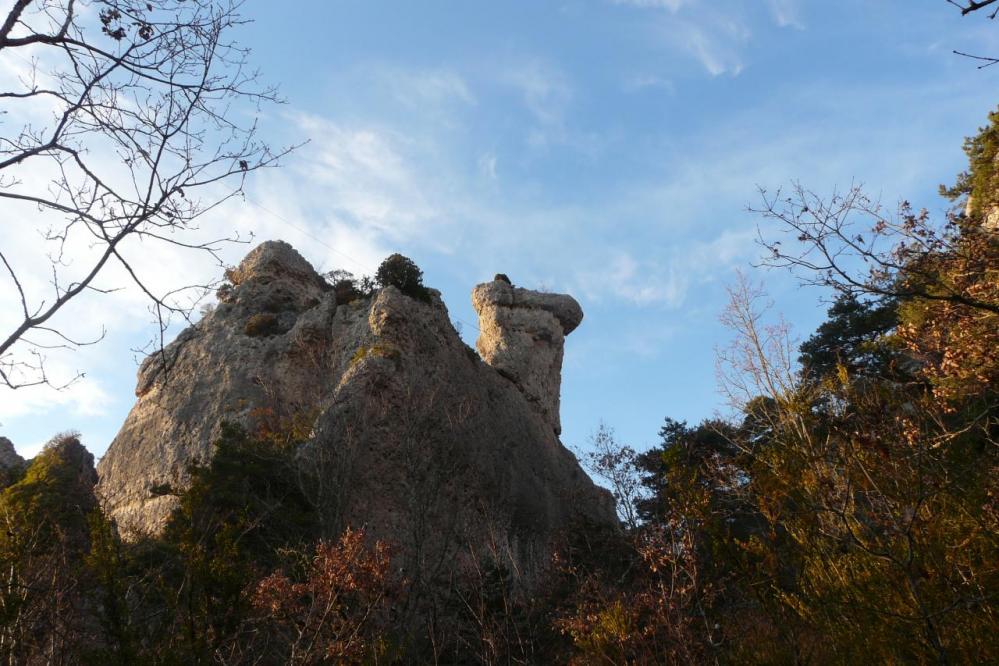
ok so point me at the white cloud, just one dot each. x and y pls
(366, 177)
(84, 397)
(711, 33)
(544, 89)
(672, 5)
(487, 165)
(712, 49)
(418, 88)
(667, 280)
(786, 13)
(647, 82)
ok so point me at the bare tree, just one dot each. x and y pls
(759, 361)
(969, 7)
(127, 122)
(856, 246)
(616, 464)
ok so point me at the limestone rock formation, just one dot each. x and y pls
(523, 337)
(8, 455)
(411, 434)
(256, 345)
(990, 217)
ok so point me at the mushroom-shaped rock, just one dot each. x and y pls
(522, 336)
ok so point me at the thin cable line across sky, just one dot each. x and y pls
(304, 232)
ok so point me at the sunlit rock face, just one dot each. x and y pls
(522, 336)
(412, 435)
(990, 216)
(254, 347)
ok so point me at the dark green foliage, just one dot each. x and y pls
(234, 522)
(11, 475)
(400, 272)
(347, 288)
(108, 568)
(683, 449)
(55, 495)
(251, 488)
(44, 536)
(502, 277)
(853, 337)
(981, 180)
(243, 515)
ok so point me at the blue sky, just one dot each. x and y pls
(605, 149)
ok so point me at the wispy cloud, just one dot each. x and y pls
(86, 396)
(641, 82)
(786, 13)
(418, 87)
(487, 165)
(672, 5)
(668, 278)
(544, 90)
(711, 35)
(712, 45)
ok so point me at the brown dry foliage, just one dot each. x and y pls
(336, 613)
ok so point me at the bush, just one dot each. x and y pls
(383, 351)
(400, 272)
(347, 288)
(263, 323)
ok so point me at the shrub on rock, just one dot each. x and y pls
(263, 323)
(400, 272)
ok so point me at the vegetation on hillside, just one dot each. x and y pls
(848, 514)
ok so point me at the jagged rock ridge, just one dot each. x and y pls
(414, 436)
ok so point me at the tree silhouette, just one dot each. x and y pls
(122, 127)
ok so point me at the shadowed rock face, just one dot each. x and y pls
(413, 436)
(522, 335)
(8, 455)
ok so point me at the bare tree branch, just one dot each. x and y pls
(968, 7)
(853, 244)
(140, 139)
(973, 6)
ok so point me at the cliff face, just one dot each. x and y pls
(8, 455)
(412, 434)
(11, 464)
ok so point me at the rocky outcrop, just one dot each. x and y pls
(8, 456)
(262, 345)
(522, 335)
(410, 434)
(989, 216)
